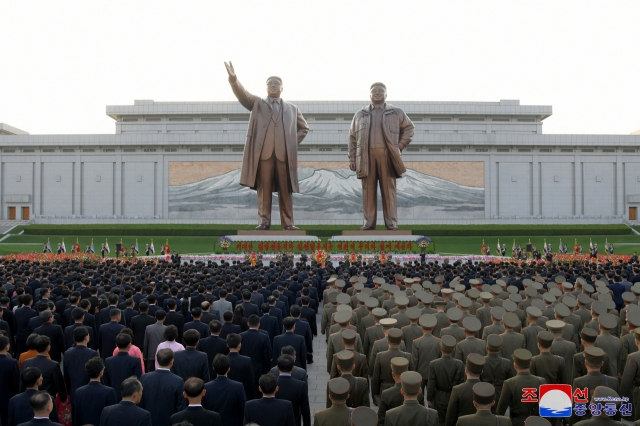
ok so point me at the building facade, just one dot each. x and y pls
(172, 162)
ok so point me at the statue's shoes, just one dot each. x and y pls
(291, 228)
(262, 228)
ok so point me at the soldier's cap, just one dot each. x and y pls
(342, 318)
(627, 296)
(385, 287)
(601, 284)
(379, 312)
(413, 313)
(332, 279)
(435, 288)
(536, 421)
(349, 336)
(402, 301)
(460, 288)
(635, 289)
(632, 308)
(485, 295)
(584, 299)
(362, 279)
(567, 285)
(345, 359)
(353, 279)
(447, 343)
(399, 277)
(473, 294)
(343, 299)
(510, 320)
(475, 281)
(340, 283)
(496, 289)
(636, 333)
(548, 298)
(556, 292)
(362, 297)
(339, 388)
(522, 357)
(562, 310)
(378, 280)
(388, 322)
(344, 308)
(426, 298)
(607, 321)
(358, 286)
(598, 308)
(560, 279)
(454, 314)
(371, 302)
(416, 288)
(408, 281)
(332, 296)
(399, 365)
(363, 416)
(447, 291)
(440, 302)
(439, 279)
(411, 382)
(515, 298)
(633, 318)
(486, 287)
(610, 304)
(483, 393)
(509, 306)
(494, 342)
(604, 393)
(416, 280)
(538, 303)
(588, 288)
(570, 301)
(471, 324)
(531, 291)
(428, 321)
(542, 321)
(588, 334)
(593, 355)
(394, 336)
(545, 339)
(501, 282)
(426, 284)
(552, 286)
(534, 312)
(464, 302)
(512, 289)
(457, 296)
(475, 363)
(497, 312)
(555, 326)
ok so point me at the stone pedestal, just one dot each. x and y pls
(270, 233)
(381, 233)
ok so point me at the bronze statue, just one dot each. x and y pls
(270, 159)
(379, 133)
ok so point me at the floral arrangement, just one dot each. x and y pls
(423, 242)
(353, 257)
(53, 257)
(253, 258)
(320, 256)
(224, 242)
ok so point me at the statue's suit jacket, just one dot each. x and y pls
(295, 130)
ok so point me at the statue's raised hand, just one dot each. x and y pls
(230, 70)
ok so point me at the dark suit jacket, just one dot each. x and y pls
(56, 335)
(256, 345)
(269, 412)
(52, 380)
(10, 374)
(212, 346)
(191, 363)
(303, 329)
(207, 317)
(277, 312)
(120, 367)
(73, 367)
(138, 325)
(90, 401)
(40, 422)
(295, 391)
(20, 409)
(129, 314)
(174, 318)
(125, 413)
(242, 371)
(250, 309)
(68, 336)
(199, 326)
(297, 373)
(104, 316)
(162, 396)
(229, 328)
(297, 342)
(197, 416)
(227, 398)
(107, 338)
(21, 318)
(269, 323)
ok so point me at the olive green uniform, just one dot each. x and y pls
(372, 335)
(566, 350)
(550, 367)
(591, 381)
(410, 413)
(629, 346)
(392, 398)
(336, 415)
(361, 367)
(444, 373)
(454, 330)
(425, 350)
(612, 346)
(358, 392)
(510, 342)
(530, 339)
(470, 345)
(410, 333)
(381, 345)
(460, 402)
(335, 345)
(579, 369)
(496, 371)
(495, 328)
(382, 378)
(511, 397)
(483, 418)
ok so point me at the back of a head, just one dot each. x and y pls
(265, 308)
(254, 321)
(288, 323)
(268, 383)
(39, 402)
(234, 340)
(164, 357)
(227, 316)
(215, 326)
(161, 314)
(221, 364)
(79, 334)
(193, 387)
(41, 344)
(115, 313)
(285, 363)
(191, 337)
(94, 367)
(288, 350)
(123, 340)
(170, 333)
(30, 376)
(295, 311)
(130, 386)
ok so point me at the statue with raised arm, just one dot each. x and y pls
(270, 159)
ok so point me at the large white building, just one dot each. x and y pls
(469, 162)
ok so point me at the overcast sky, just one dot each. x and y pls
(63, 62)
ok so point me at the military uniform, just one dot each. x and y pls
(382, 378)
(461, 400)
(561, 347)
(358, 392)
(631, 378)
(483, 395)
(361, 368)
(444, 373)
(602, 420)
(337, 414)
(470, 345)
(425, 349)
(392, 398)
(382, 345)
(608, 343)
(511, 341)
(335, 343)
(496, 368)
(411, 412)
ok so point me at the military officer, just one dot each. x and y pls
(461, 400)
(484, 313)
(382, 345)
(361, 368)
(631, 377)
(483, 401)
(426, 348)
(628, 341)
(601, 392)
(470, 344)
(496, 368)
(392, 397)
(358, 386)
(338, 413)
(329, 309)
(597, 308)
(335, 340)
(374, 333)
(411, 412)
(412, 331)
(441, 317)
(363, 416)
(444, 373)
(536, 421)
(562, 348)
(569, 331)
(368, 320)
(588, 337)
(531, 331)
(510, 339)
(454, 315)
(547, 365)
(382, 378)
(497, 312)
(401, 304)
(512, 394)
(607, 342)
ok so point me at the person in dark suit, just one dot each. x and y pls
(269, 411)
(21, 317)
(223, 395)
(163, 390)
(104, 315)
(294, 391)
(126, 412)
(42, 405)
(107, 334)
(269, 323)
(303, 329)
(139, 324)
(213, 345)
(195, 413)
(54, 333)
(93, 397)
(10, 374)
(78, 321)
(276, 310)
(19, 410)
(75, 359)
(196, 324)
(289, 338)
(174, 318)
(52, 380)
(209, 314)
(121, 366)
(256, 345)
(241, 366)
(129, 312)
(191, 362)
(309, 314)
(249, 308)
(228, 326)
(297, 372)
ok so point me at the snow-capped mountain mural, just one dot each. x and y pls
(324, 195)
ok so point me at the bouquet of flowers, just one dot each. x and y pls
(383, 258)
(224, 242)
(320, 256)
(423, 242)
(353, 258)
(253, 258)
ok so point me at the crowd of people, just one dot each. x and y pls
(162, 343)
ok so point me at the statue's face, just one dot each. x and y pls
(378, 94)
(274, 88)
